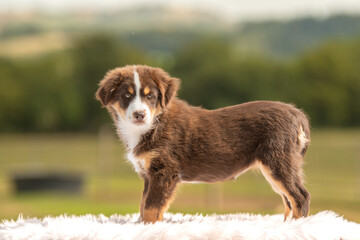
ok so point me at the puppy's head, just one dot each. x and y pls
(135, 95)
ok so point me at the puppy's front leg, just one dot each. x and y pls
(162, 185)
(145, 191)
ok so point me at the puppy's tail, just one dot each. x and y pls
(303, 133)
(303, 140)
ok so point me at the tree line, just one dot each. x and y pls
(55, 92)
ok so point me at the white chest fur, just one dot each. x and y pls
(130, 132)
(131, 135)
(138, 163)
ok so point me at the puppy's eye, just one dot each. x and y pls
(127, 95)
(149, 96)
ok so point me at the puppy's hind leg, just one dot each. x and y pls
(278, 189)
(285, 178)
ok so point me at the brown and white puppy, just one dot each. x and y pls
(169, 141)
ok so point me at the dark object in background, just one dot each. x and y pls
(55, 182)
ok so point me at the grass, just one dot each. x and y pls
(332, 169)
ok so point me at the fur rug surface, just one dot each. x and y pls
(324, 225)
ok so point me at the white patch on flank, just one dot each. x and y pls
(302, 138)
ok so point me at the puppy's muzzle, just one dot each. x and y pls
(139, 116)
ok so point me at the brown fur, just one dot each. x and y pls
(194, 144)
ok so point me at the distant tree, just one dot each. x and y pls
(212, 76)
(330, 76)
(93, 56)
(55, 92)
(324, 82)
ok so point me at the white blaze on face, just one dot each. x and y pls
(137, 105)
(127, 128)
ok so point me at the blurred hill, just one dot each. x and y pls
(294, 37)
(50, 65)
(166, 29)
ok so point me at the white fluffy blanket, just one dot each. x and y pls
(324, 225)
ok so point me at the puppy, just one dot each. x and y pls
(170, 142)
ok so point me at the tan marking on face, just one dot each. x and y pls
(146, 90)
(118, 109)
(131, 90)
(155, 111)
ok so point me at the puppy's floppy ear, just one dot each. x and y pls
(107, 87)
(102, 95)
(168, 86)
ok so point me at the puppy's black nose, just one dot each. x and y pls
(139, 115)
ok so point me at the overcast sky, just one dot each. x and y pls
(229, 9)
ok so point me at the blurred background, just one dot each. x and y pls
(58, 148)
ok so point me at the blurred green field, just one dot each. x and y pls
(332, 174)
